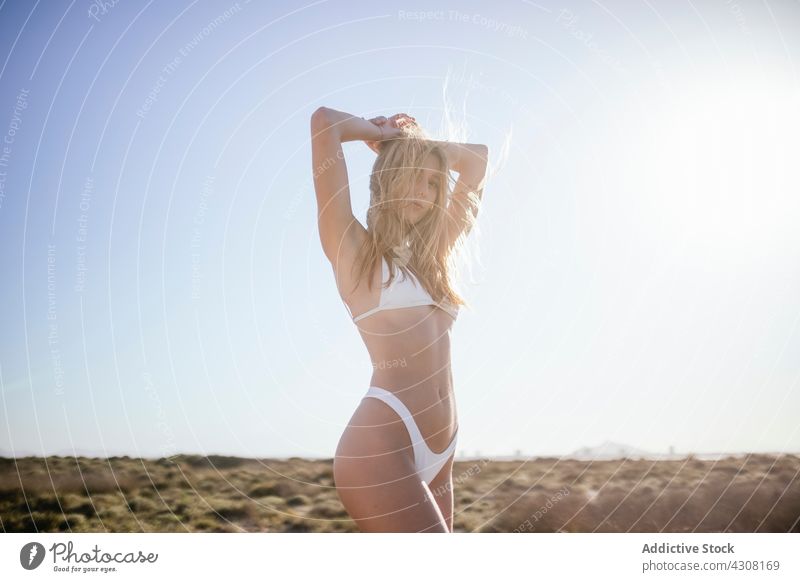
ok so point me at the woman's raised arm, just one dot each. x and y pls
(339, 231)
(470, 161)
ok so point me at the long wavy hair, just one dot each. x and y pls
(419, 247)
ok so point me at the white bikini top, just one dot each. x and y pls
(404, 291)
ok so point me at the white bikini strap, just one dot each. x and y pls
(402, 410)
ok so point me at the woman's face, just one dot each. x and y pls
(422, 198)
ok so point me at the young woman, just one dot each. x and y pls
(394, 461)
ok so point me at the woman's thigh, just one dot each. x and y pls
(375, 477)
(441, 491)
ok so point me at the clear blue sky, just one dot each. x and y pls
(163, 288)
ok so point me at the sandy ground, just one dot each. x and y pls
(755, 493)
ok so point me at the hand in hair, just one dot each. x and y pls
(391, 128)
(399, 120)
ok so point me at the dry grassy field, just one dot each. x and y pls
(755, 493)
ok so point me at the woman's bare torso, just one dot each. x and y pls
(410, 353)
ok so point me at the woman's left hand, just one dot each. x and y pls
(380, 121)
(400, 120)
(392, 127)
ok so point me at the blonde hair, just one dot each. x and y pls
(419, 246)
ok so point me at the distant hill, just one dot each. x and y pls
(610, 450)
(77, 452)
(607, 450)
